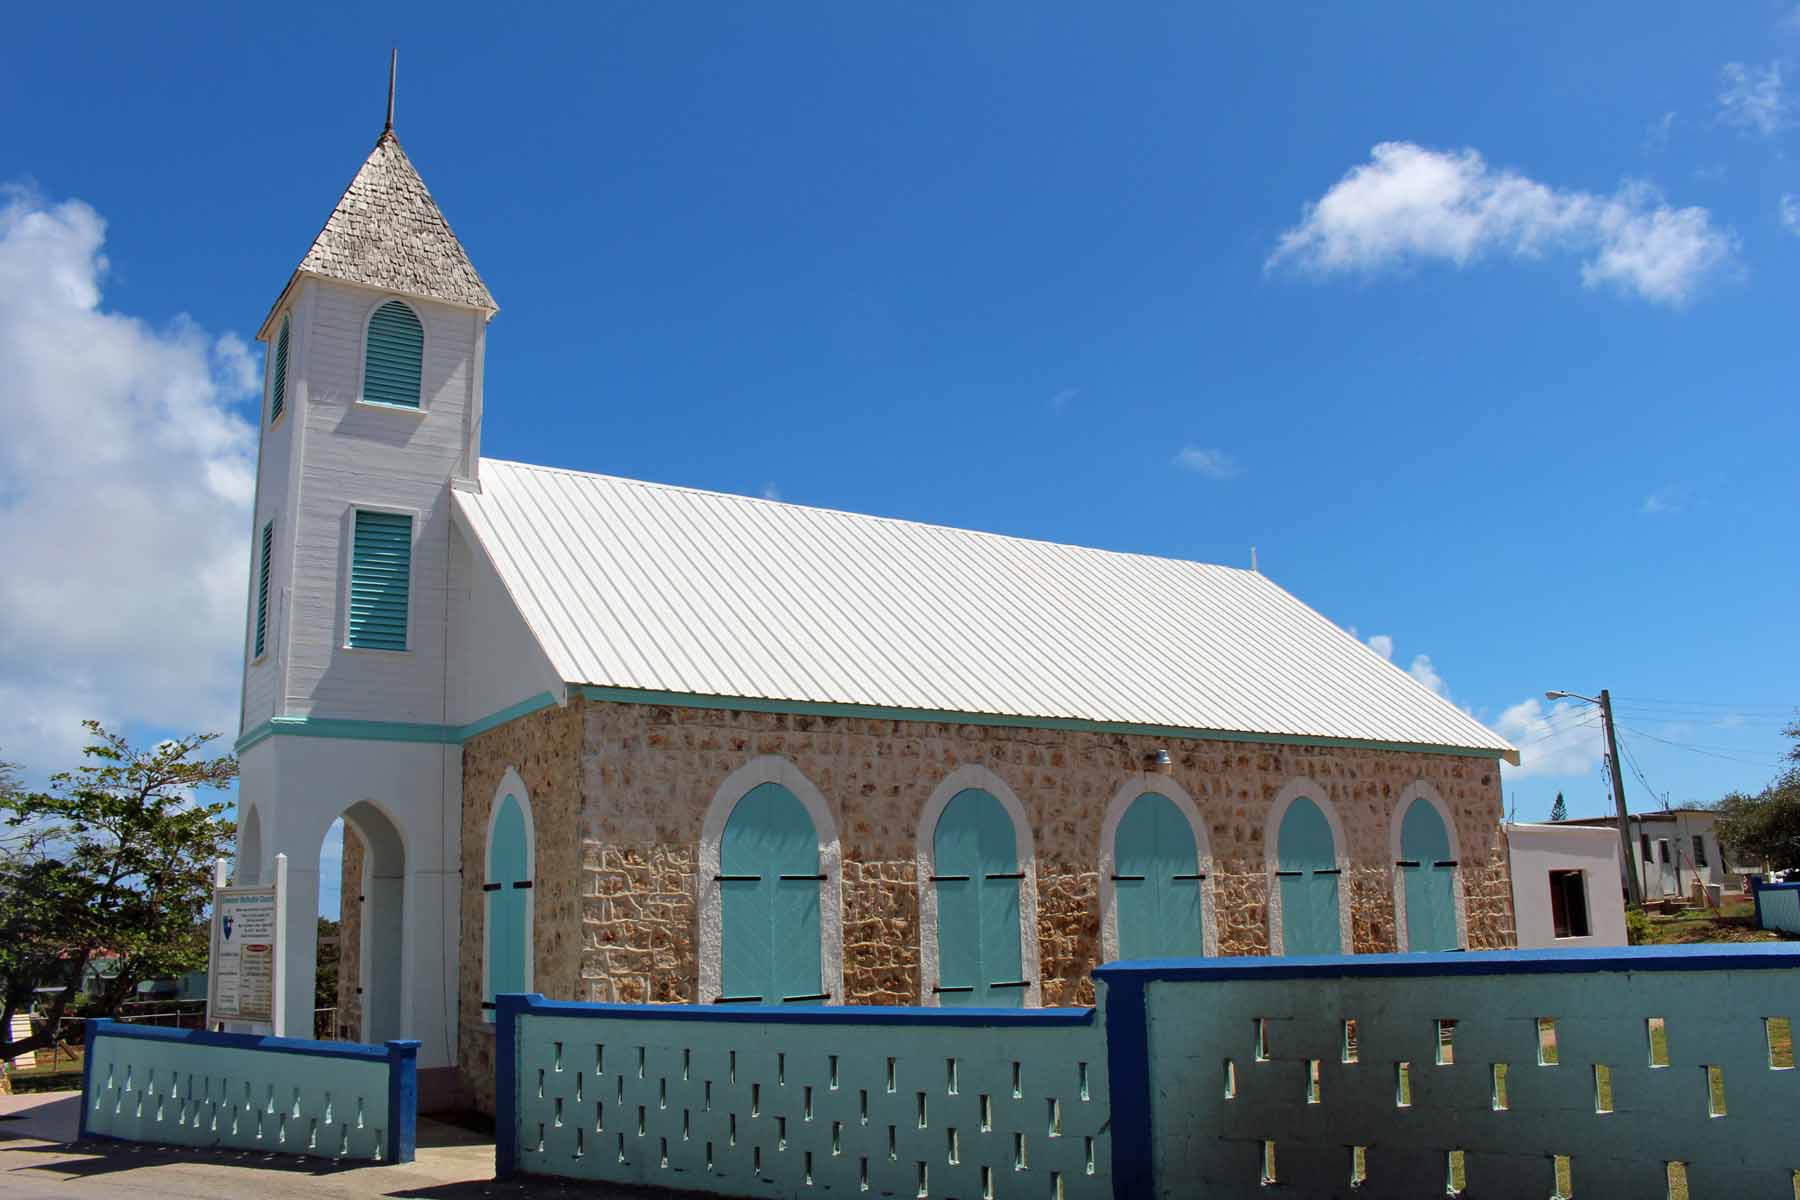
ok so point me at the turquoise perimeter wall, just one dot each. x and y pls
(187, 1087)
(1777, 905)
(794, 1101)
(1233, 1046)
(1195, 1078)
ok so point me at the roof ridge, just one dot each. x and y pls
(863, 516)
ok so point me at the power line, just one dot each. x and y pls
(1788, 709)
(1692, 749)
(1631, 760)
(1592, 720)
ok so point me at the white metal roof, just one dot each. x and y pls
(666, 589)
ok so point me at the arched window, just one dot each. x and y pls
(1156, 881)
(769, 885)
(393, 356)
(1428, 878)
(977, 877)
(278, 380)
(1307, 872)
(507, 950)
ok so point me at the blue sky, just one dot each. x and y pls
(1476, 322)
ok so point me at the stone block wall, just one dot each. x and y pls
(545, 749)
(349, 993)
(629, 786)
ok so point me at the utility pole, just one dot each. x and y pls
(1634, 882)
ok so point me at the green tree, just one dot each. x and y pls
(114, 860)
(1559, 811)
(1764, 827)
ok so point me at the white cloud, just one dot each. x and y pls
(1656, 134)
(1214, 464)
(1790, 213)
(1563, 739)
(1061, 401)
(1753, 100)
(1410, 203)
(771, 492)
(1657, 503)
(126, 477)
(1383, 645)
(1422, 670)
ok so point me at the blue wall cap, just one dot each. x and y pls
(1755, 956)
(806, 1014)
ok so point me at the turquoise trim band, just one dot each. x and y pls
(387, 731)
(453, 735)
(877, 712)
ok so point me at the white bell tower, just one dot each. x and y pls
(371, 415)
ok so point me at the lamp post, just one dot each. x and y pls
(1634, 886)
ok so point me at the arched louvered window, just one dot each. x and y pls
(393, 356)
(506, 952)
(975, 864)
(1308, 875)
(278, 385)
(769, 884)
(1428, 871)
(1156, 881)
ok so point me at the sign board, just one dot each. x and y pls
(241, 981)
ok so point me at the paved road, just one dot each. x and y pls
(38, 1159)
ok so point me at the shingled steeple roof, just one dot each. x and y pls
(388, 233)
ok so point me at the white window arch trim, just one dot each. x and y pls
(362, 355)
(960, 780)
(511, 784)
(1308, 789)
(1127, 795)
(770, 768)
(1419, 789)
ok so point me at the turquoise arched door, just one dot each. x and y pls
(975, 860)
(1308, 873)
(1156, 881)
(1428, 870)
(507, 886)
(769, 883)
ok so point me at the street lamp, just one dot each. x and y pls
(1634, 888)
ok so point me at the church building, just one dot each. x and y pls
(615, 740)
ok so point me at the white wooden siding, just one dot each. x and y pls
(357, 454)
(496, 662)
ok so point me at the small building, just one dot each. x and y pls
(1674, 851)
(614, 740)
(1562, 886)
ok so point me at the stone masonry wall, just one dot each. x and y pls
(647, 775)
(545, 748)
(349, 995)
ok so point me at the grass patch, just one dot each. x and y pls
(1733, 921)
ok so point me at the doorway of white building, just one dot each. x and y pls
(362, 873)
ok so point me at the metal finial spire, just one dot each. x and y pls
(393, 68)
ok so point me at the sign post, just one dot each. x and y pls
(243, 976)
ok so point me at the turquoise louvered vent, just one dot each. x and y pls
(380, 577)
(393, 357)
(278, 387)
(265, 549)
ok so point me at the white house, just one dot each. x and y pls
(1565, 886)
